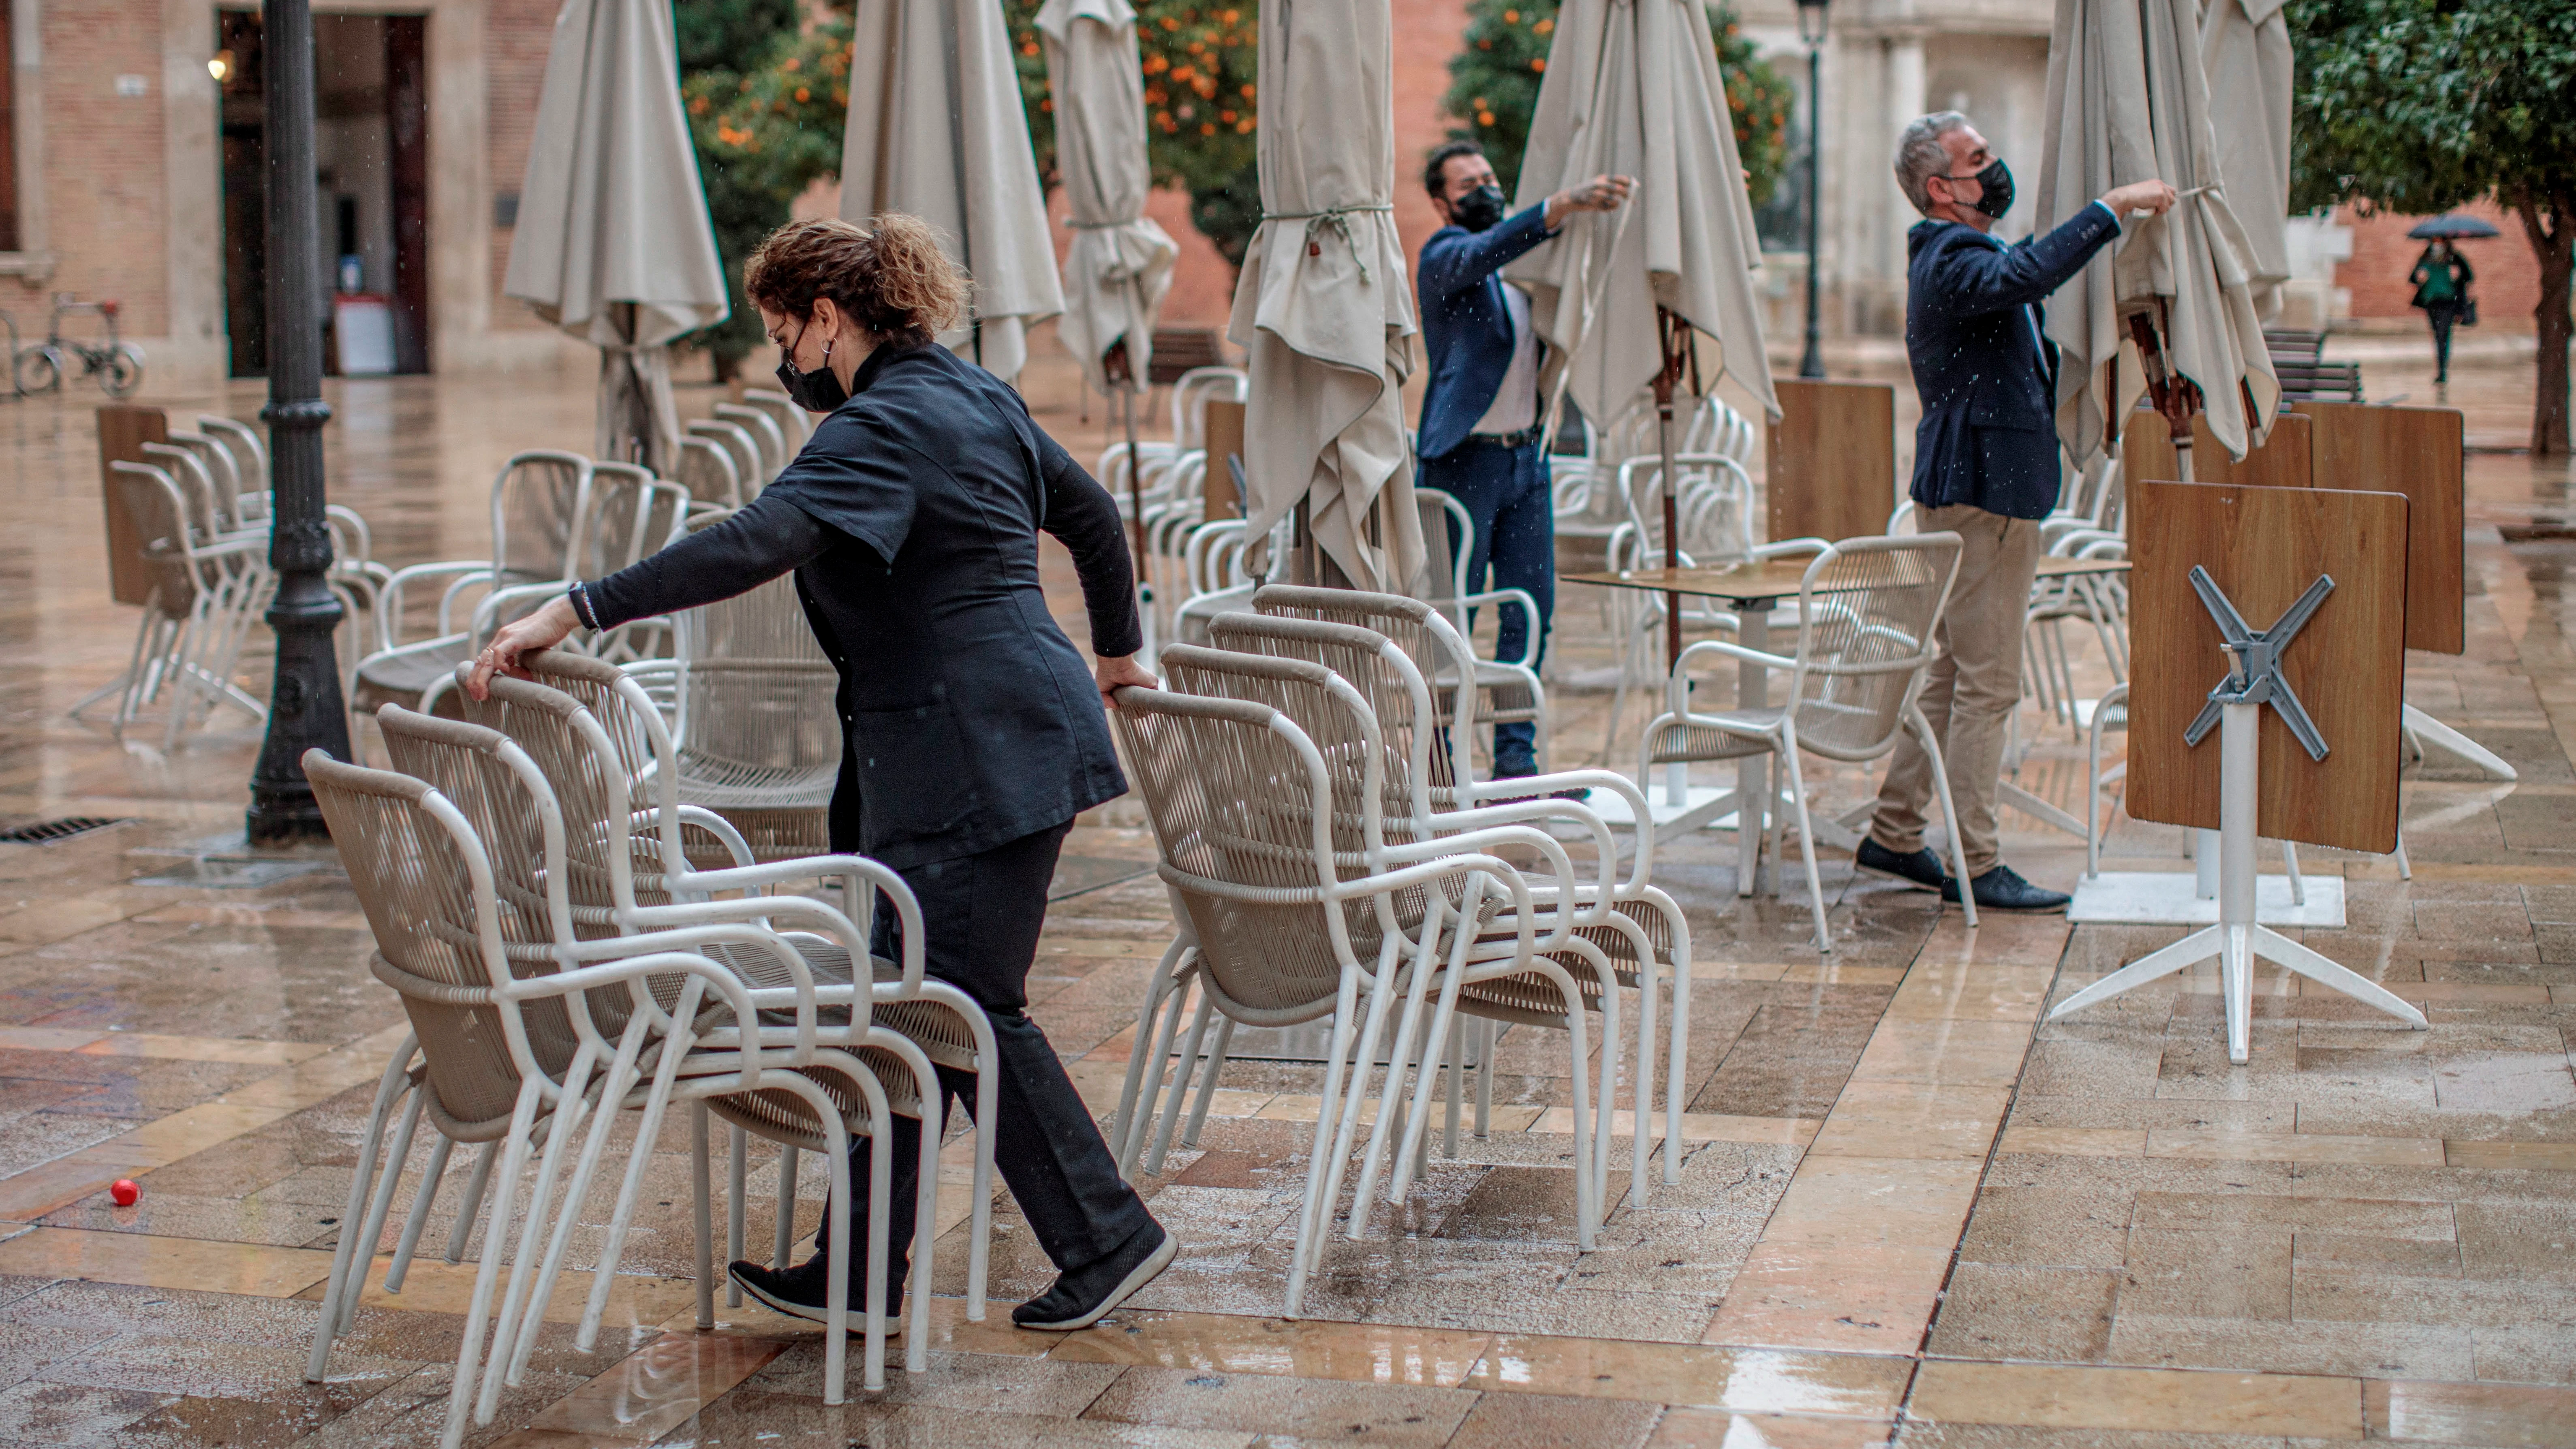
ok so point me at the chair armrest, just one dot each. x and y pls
(1520, 598)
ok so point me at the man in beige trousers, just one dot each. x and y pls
(1985, 468)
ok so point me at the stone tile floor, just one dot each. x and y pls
(1907, 1212)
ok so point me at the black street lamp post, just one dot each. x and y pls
(305, 708)
(1811, 29)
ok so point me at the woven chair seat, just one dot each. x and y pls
(942, 1034)
(1681, 743)
(402, 676)
(784, 1117)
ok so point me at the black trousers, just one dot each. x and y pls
(980, 918)
(2442, 315)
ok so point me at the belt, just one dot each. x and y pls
(1529, 434)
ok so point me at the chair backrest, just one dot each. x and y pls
(756, 697)
(540, 507)
(709, 472)
(196, 484)
(739, 445)
(765, 430)
(222, 469)
(1240, 800)
(1448, 541)
(1194, 391)
(1869, 609)
(1398, 700)
(158, 514)
(1438, 651)
(425, 882)
(797, 423)
(248, 448)
(608, 867)
(632, 514)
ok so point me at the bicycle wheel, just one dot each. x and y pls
(122, 375)
(38, 369)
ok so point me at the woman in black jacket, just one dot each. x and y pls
(973, 735)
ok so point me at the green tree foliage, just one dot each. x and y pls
(2417, 106)
(1493, 88)
(717, 39)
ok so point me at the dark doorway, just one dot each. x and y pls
(371, 159)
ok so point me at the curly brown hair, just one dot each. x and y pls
(893, 279)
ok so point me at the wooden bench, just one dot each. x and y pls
(2318, 381)
(1178, 349)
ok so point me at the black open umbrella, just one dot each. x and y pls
(2451, 228)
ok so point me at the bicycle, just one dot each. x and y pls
(117, 365)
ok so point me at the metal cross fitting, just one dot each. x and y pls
(2254, 676)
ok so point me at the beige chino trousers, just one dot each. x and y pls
(1974, 686)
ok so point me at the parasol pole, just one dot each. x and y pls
(2177, 398)
(1121, 375)
(1675, 336)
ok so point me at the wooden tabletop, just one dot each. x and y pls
(1753, 583)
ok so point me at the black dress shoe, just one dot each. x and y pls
(1922, 868)
(2001, 889)
(799, 1292)
(1082, 1298)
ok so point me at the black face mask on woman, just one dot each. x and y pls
(1478, 209)
(1997, 181)
(819, 391)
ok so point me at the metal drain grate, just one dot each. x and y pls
(46, 832)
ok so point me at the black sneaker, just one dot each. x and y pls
(799, 1292)
(1081, 1299)
(1922, 868)
(2001, 889)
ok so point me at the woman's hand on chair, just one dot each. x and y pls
(543, 629)
(1117, 673)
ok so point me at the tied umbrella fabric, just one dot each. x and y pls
(613, 243)
(1120, 264)
(2128, 100)
(937, 130)
(1632, 88)
(1325, 304)
(2245, 52)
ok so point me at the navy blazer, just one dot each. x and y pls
(1982, 363)
(911, 520)
(1464, 324)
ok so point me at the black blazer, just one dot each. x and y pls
(911, 519)
(1985, 370)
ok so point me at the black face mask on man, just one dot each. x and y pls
(1479, 209)
(1996, 198)
(819, 391)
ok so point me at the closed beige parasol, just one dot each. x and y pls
(1325, 304)
(1120, 264)
(936, 129)
(2127, 101)
(2245, 52)
(613, 243)
(1632, 88)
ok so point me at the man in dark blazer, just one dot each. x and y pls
(1479, 439)
(1985, 468)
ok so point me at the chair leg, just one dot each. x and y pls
(1949, 811)
(1157, 1071)
(1807, 841)
(1207, 1083)
(431, 1179)
(1485, 1077)
(1316, 1208)
(701, 1211)
(471, 1205)
(1453, 1090)
(396, 1080)
(1189, 1065)
(1164, 972)
(372, 1230)
(734, 1205)
(460, 1394)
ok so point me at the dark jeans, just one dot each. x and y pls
(2442, 315)
(1506, 494)
(980, 916)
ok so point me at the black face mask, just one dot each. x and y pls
(819, 391)
(1478, 209)
(1997, 197)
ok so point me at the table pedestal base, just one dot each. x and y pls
(2165, 898)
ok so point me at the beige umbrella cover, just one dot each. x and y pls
(1632, 88)
(936, 129)
(1120, 264)
(1325, 303)
(2127, 101)
(2245, 52)
(613, 243)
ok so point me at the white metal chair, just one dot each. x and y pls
(205, 595)
(1284, 929)
(1869, 614)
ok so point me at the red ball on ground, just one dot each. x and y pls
(125, 1190)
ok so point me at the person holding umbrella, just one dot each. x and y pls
(2441, 279)
(1985, 468)
(973, 735)
(1479, 439)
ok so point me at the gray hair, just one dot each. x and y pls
(1920, 156)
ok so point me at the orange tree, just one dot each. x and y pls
(1200, 62)
(1493, 87)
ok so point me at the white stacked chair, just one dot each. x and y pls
(1507, 690)
(1869, 613)
(206, 592)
